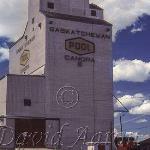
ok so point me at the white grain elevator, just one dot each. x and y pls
(58, 93)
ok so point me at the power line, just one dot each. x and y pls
(131, 120)
(126, 109)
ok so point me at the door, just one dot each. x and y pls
(30, 133)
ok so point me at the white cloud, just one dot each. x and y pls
(144, 108)
(13, 18)
(123, 13)
(131, 70)
(135, 30)
(141, 121)
(131, 100)
(138, 104)
(4, 54)
(116, 114)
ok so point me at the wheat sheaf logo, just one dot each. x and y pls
(24, 58)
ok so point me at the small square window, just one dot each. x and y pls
(93, 12)
(27, 102)
(50, 5)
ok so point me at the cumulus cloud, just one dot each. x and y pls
(4, 54)
(4, 42)
(131, 70)
(135, 30)
(131, 100)
(123, 13)
(138, 104)
(141, 121)
(144, 108)
(13, 18)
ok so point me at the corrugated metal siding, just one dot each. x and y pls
(3, 95)
(26, 87)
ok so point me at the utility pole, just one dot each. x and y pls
(121, 124)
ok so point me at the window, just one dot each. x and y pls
(27, 102)
(33, 20)
(107, 29)
(35, 129)
(93, 12)
(50, 5)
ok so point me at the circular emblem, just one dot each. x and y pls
(67, 97)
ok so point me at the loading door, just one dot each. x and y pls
(30, 133)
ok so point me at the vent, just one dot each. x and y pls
(93, 12)
(27, 102)
(50, 5)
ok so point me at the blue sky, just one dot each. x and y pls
(131, 46)
(4, 43)
(131, 55)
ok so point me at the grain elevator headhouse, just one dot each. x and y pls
(58, 93)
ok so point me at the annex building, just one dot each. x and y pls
(58, 93)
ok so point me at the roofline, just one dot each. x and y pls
(76, 18)
(19, 38)
(43, 76)
(3, 77)
(67, 17)
(95, 6)
(145, 141)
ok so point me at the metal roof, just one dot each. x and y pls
(94, 6)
